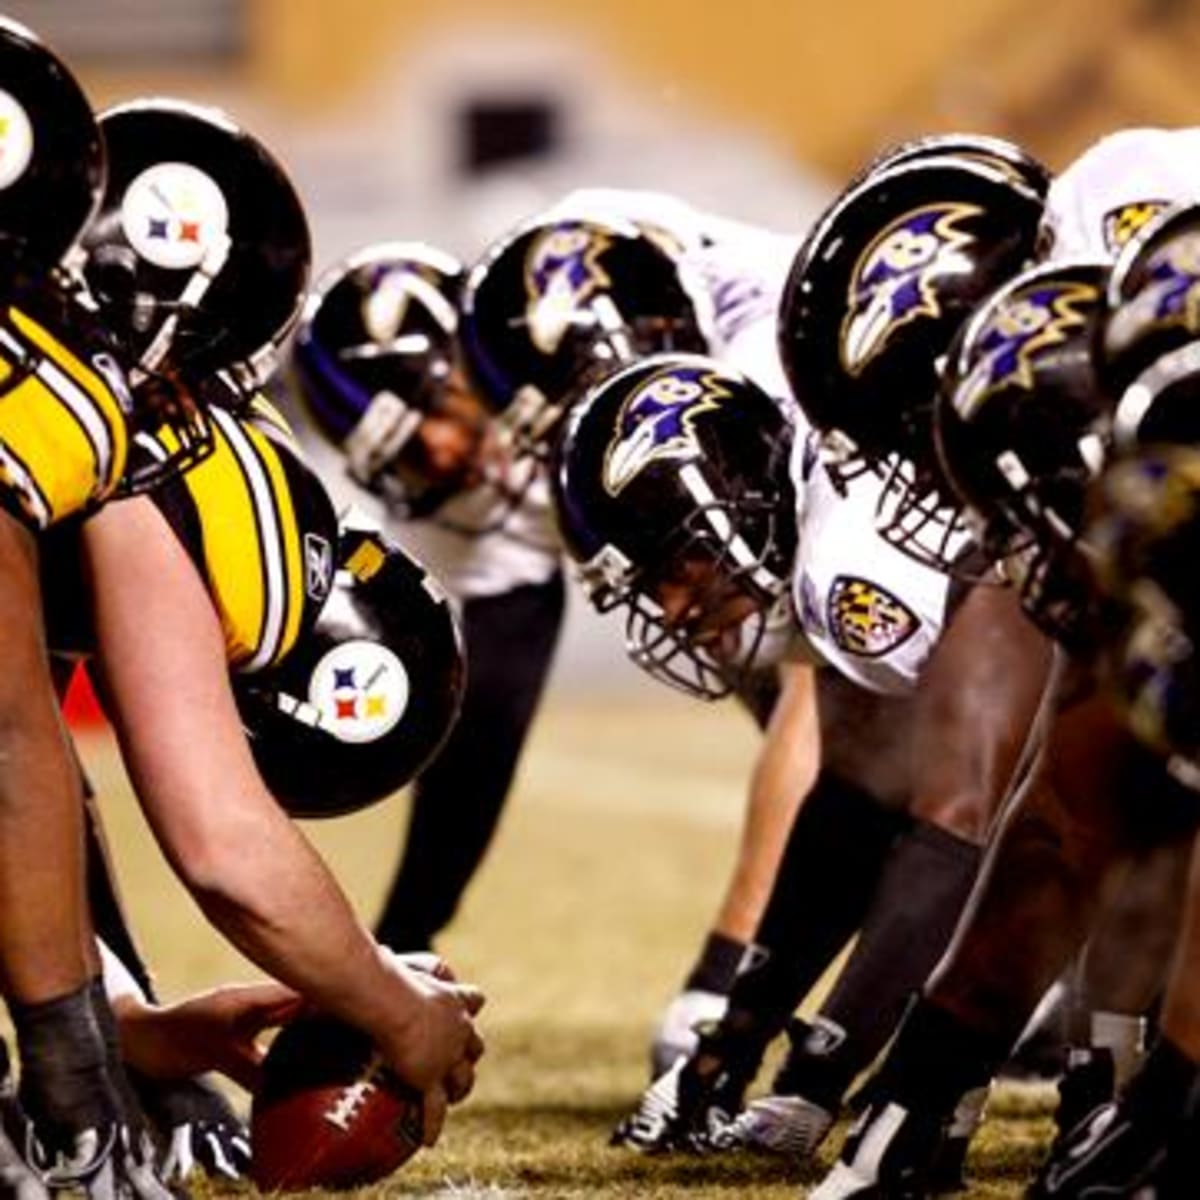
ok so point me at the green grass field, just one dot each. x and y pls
(606, 872)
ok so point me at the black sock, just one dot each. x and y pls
(717, 965)
(840, 838)
(913, 913)
(65, 1086)
(935, 1060)
(1160, 1090)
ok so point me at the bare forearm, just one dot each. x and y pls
(786, 767)
(42, 919)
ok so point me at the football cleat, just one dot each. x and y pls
(108, 1163)
(947, 1175)
(890, 1154)
(1088, 1083)
(198, 1129)
(1106, 1154)
(787, 1125)
(18, 1180)
(680, 1111)
(678, 1032)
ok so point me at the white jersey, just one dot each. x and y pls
(869, 611)
(523, 548)
(735, 271)
(1111, 190)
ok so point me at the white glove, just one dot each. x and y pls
(679, 1027)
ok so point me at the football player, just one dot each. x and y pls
(380, 362)
(64, 437)
(662, 442)
(377, 365)
(1020, 447)
(197, 260)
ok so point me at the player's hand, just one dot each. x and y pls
(434, 1045)
(215, 1030)
(196, 1127)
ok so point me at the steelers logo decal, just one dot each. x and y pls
(172, 213)
(866, 620)
(361, 690)
(16, 140)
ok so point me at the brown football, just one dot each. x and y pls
(327, 1113)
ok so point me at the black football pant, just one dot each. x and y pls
(510, 641)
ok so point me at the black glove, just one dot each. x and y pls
(196, 1127)
(84, 1136)
(107, 1163)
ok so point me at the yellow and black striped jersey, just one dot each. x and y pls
(261, 530)
(63, 404)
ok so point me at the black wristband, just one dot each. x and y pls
(717, 965)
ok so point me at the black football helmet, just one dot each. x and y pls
(1151, 341)
(995, 152)
(1146, 539)
(374, 352)
(51, 151)
(197, 261)
(872, 302)
(366, 698)
(667, 462)
(558, 304)
(1022, 424)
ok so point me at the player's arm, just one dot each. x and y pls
(161, 653)
(786, 767)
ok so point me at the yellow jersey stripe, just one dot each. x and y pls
(87, 392)
(251, 542)
(17, 480)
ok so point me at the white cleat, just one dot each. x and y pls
(786, 1125)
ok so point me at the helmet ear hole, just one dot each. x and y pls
(112, 281)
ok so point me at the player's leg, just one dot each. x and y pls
(1148, 1134)
(1029, 912)
(770, 809)
(978, 699)
(837, 842)
(47, 956)
(510, 641)
(1122, 973)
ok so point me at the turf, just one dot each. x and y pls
(606, 872)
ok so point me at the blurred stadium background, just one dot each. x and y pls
(448, 121)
